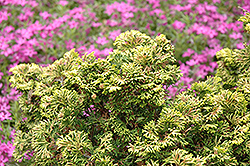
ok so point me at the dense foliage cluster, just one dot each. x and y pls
(88, 111)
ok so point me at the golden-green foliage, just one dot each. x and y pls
(87, 111)
(83, 111)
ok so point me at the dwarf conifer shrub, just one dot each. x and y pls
(207, 124)
(85, 111)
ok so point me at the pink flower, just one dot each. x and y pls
(216, 1)
(73, 24)
(200, 9)
(213, 64)
(45, 15)
(178, 25)
(3, 159)
(79, 16)
(106, 51)
(186, 80)
(112, 23)
(33, 3)
(222, 28)
(156, 11)
(240, 46)
(8, 29)
(109, 9)
(63, 3)
(235, 35)
(5, 115)
(114, 34)
(96, 24)
(70, 44)
(212, 33)
(188, 52)
(202, 73)
(28, 14)
(4, 15)
(184, 69)
(7, 52)
(193, 1)
(128, 15)
(1, 74)
(191, 62)
(172, 90)
(211, 8)
(102, 40)
(43, 35)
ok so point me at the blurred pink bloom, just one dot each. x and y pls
(216, 1)
(211, 8)
(8, 29)
(78, 16)
(186, 80)
(222, 28)
(184, 69)
(43, 34)
(192, 1)
(213, 64)
(76, 10)
(26, 15)
(7, 52)
(52, 58)
(130, 1)
(114, 34)
(33, 3)
(24, 119)
(70, 44)
(128, 15)
(45, 15)
(26, 33)
(5, 116)
(96, 24)
(212, 33)
(188, 52)
(21, 40)
(235, 35)
(236, 26)
(240, 46)
(4, 15)
(63, 3)
(200, 9)
(1, 74)
(177, 7)
(155, 3)
(109, 9)
(155, 11)
(172, 90)
(106, 51)
(102, 40)
(178, 25)
(3, 45)
(112, 23)
(3, 159)
(201, 73)
(73, 24)
(191, 62)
